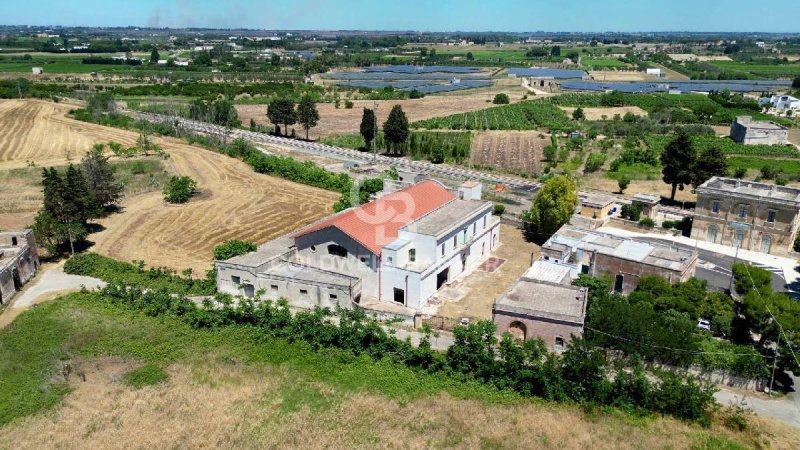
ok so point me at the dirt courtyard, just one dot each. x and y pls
(474, 296)
(234, 201)
(343, 121)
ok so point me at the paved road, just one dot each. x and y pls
(786, 409)
(343, 154)
(54, 280)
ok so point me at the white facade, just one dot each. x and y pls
(781, 102)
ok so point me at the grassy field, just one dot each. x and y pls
(603, 63)
(80, 373)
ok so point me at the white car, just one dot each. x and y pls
(704, 324)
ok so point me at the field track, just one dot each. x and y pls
(234, 203)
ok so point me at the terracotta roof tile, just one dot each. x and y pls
(376, 223)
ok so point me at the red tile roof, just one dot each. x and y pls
(376, 223)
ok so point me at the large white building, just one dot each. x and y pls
(781, 103)
(399, 249)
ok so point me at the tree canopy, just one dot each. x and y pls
(281, 112)
(678, 161)
(553, 206)
(395, 129)
(307, 114)
(367, 127)
(712, 162)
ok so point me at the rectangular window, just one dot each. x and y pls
(303, 291)
(715, 207)
(14, 241)
(274, 287)
(474, 228)
(442, 249)
(332, 296)
(771, 216)
(236, 280)
(743, 211)
(337, 250)
(412, 255)
(455, 241)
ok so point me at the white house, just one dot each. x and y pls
(398, 249)
(782, 103)
(657, 72)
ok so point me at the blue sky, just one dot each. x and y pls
(421, 15)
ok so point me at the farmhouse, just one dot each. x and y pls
(19, 260)
(754, 216)
(747, 131)
(781, 103)
(398, 249)
(595, 253)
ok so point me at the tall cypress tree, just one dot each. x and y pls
(367, 127)
(396, 127)
(678, 160)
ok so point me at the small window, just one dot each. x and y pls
(332, 296)
(274, 287)
(559, 341)
(455, 241)
(389, 259)
(585, 269)
(771, 216)
(715, 207)
(484, 221)
(313, 249)
(412, 255)
(363, 259)
(474, 228)
(236, 280)
(442, 249)
(337, 250)
(743, 211)
(619, 280)
(303, 291)
(13, 240)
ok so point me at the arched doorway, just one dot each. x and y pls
(712, 233)
(518, 330)
(766, 244)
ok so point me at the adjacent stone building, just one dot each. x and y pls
(753, 216)
(19, 260)
(745, 130)
(533, 308)
(624, 259)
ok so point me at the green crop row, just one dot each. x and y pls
(524, 115)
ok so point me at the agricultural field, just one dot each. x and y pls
(520, 116)
(727, 145)
(602, 63)
(234, 202)
(608, 113)
(771, 71)
(335, 121)
(515, 151)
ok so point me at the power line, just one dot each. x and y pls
(679, 350)
(780, 327)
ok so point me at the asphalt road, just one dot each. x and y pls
(718, 272)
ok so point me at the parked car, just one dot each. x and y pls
(704, 324)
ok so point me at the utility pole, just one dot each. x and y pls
(774, 363)
(735, 259)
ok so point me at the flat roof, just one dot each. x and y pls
(264, 253)
(646, 198)
(748, 122)
(301, 272)
(653, 254)
(750, 189)
(548, 271)
(596, 199)
(543, 299)
(441, 220)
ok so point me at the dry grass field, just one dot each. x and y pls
(617, 75)
(343, 121)
(234, 203)
(220, 404)
(511, 150)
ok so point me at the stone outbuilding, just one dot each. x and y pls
(745, 130)
(19, 260)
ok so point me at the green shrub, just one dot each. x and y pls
(668, 224)
(180, 189)
(147, 375)
(499, 209)
(500, 99)
(647, 222)
(232, 248)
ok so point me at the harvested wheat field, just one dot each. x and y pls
(608, 113)
(38, 131)
(512, 150)
(343, 121)
(234, 202)
(617, 75)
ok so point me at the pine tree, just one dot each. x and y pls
(712, 162)
(307, 114)
(103, 188)
(154, 56)
(678, 160)
(395, 129)
(281, 111)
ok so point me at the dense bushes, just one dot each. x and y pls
(207, 90)
(22, 88)
(180, 189)
(113, 271)
(657, 143)
(229, 249)
(579, 375)
(434, 146)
